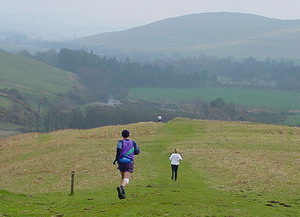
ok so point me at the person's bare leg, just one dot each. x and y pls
(125, 178)
(122, 176)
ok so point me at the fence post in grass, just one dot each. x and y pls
(72, 182)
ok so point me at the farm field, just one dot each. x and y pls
(228, 169)
(270, 99)
(293, 120)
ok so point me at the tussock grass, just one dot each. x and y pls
(43, 162)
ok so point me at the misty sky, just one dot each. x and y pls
(65, 19)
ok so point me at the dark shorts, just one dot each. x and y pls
(126, 167)
(174, 167)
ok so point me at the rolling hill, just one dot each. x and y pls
(216, 33)
(33, 79)
(228, 169)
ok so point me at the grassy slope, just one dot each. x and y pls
(31, 77)
(229, 169)
(221, 34)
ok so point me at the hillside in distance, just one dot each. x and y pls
(215, 33)
(32, 77)
(25, 81)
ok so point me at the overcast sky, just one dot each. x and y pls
(59, 19)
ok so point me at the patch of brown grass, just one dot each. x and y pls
(43, 162)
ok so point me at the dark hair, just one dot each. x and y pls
(125, 133)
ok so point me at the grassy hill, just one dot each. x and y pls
(229, 169)
(33, 78)
(218, 33)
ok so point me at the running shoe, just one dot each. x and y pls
(123, 191)
(120, 194)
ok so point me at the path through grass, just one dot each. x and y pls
(151, 191)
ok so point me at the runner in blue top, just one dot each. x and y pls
(126, 149)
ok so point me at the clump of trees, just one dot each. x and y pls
(31, 117)
(20, 112)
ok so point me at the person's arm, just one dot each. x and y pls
(171, 157)
(136, 148)
(117, 155)
(180, 157)
(119, 150)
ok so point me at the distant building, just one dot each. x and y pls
(112, 101)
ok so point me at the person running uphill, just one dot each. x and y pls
(175, 158)
(126, 149)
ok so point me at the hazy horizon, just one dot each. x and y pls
(69, 19)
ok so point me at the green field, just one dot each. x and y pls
(271, 99)
(293, 120)
(228, 169)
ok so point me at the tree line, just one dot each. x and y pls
(283, 72)
(58, 115)
(106, 76)
(98, 115)
(100, 71)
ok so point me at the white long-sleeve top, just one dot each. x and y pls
(175, 158)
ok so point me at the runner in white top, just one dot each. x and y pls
(175, 158)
